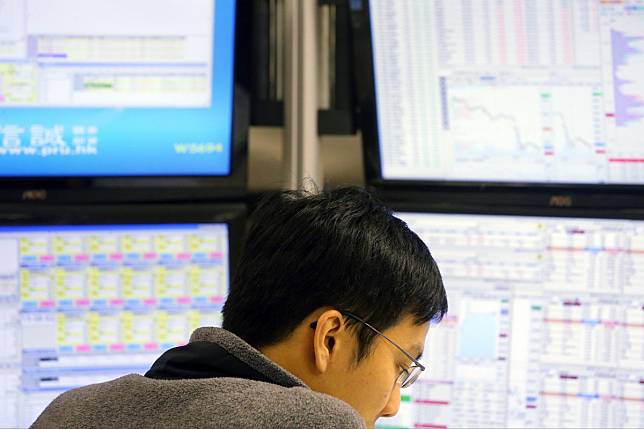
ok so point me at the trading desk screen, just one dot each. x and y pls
(86, 304)
(537, 91)
(118, 88)
(545, 325)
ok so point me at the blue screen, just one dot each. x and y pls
(116, 88)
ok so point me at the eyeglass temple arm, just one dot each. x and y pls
(346, 313)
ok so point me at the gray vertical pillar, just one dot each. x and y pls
(301, 157)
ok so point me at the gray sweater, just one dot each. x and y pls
(283, 401)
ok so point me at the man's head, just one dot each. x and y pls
(320, 258)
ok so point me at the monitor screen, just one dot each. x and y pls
(545, 325)
(529, 91)
(118, 88)
(87, 304)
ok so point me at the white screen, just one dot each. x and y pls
(71, 53)
(543, 91)
(86, 304)
(545, 325)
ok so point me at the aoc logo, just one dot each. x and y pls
(560, 201)
(34, 195)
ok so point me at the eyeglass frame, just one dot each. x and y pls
(403, 381)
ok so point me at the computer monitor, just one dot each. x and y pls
(87, 303)
(545, 325)
(502, 92)
(120, 89)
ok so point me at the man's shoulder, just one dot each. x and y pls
(303, 407)
(287, 407)
(213, 402)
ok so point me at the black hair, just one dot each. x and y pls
(341, 248)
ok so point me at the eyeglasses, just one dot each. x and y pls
(407, 377)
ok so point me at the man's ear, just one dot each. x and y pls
(328, 326)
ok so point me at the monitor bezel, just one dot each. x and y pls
(529, 193)
(509, 211)
(234, 215)
(125, 189)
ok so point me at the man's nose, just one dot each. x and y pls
(393, 404)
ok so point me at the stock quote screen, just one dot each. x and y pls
(87, 304)
(536, 91)
(545, 325)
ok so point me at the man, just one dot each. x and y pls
(325, 321)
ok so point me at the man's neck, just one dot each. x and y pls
(290, 355)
